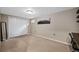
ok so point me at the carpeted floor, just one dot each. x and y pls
(32, 44)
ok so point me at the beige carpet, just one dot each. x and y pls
(32, 44)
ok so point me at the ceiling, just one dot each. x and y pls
(37, 11)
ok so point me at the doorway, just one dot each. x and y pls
(3, 31)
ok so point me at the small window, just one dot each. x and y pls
(44, 22)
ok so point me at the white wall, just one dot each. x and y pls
(61, 24)
(17, 26)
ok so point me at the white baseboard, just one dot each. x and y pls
(65, 43)
(19, 36)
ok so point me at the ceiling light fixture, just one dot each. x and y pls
(29, 11)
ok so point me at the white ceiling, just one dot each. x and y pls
(38, 11)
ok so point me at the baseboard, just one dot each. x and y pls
(19, 36)
(61, 42)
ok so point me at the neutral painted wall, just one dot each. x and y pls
(3, 18)
(61, 24)
(17, 26)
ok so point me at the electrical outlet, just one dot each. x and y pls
(54, 34)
